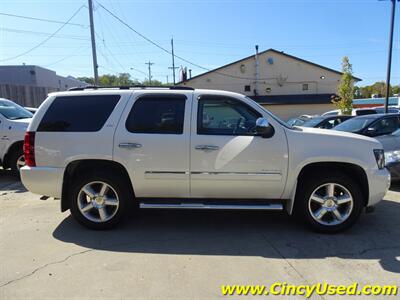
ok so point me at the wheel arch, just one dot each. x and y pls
(13, 147)
(75, 168)
(353, 170)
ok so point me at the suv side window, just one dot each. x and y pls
(78, 113)
(386, 126)
(162, 114)
(218, 115)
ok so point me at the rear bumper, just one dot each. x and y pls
(43, 180)
(379, 183)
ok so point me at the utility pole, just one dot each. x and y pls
(94, 55)
(149, 64)
(173, 61)
(389, 66)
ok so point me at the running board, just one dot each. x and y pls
(272, 206)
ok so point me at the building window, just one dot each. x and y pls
(247, 88)
(305, 86)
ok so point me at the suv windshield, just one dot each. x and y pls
(354, 125)
(13, 111)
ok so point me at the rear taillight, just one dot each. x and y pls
(29, 149)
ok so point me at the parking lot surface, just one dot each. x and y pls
(183, 254)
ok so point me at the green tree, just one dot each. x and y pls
(344, 100)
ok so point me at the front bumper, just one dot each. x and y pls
(379, 183)
(394, 169)
(43, 180)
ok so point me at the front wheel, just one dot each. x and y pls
(99, 201)
(329, 204)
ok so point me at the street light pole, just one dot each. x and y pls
(389, 66)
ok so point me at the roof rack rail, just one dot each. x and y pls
(127, 87)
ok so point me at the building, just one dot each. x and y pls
(29, 85)
(289, 86)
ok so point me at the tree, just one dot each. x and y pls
(378, 88)
(112, 80)
(344, 100)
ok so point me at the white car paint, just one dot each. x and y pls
(11, 132)
(170, 166)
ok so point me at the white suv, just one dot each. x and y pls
(14, 121)
(102, 149)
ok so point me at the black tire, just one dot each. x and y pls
(308, 186)
(118, 185)
(14, 156)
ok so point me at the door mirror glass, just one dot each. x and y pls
(371, 131)
(263, 128)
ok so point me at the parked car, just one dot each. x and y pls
(364, 111)
(391, 145)
(298, 121)
(325, 122)
(14, 120)
(33, 110)
(391, 110)
(371, 125)
(101, 149)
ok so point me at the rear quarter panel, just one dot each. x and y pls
(58, 149)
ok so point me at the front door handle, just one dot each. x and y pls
(206, 147)
(130, 145)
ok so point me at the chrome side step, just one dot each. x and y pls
(272, 206)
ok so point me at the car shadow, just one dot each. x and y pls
(10, 182)
(245, 233)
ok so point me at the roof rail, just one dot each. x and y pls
(127, 87)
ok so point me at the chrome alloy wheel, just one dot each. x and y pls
(330, 204)
(98, 201)
(20, 162)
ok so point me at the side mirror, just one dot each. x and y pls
(263, 128)
(370, 131)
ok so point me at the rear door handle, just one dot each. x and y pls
(206, 147)
(130, 145)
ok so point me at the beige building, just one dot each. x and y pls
(289, 86)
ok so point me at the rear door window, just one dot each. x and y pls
(162, 114)
(78, 113)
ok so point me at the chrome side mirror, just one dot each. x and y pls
(263, 128)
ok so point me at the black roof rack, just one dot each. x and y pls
(127, 87)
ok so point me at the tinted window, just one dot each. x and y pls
(78, 113)
(225, 116)
(354, 125)
(385, 126)
(157, 114)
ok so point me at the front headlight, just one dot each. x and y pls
(392, 156)
(380, 158)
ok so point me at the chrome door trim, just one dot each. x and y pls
(210, 206)
(235, 173)
(206, 147)
(130, 145)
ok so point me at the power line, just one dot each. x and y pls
(43, 20)
(62, 36)
(169, 52)
(46, 39)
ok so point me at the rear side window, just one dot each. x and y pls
(163, 114)
(78, 113)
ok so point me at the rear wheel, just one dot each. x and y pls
(17, 161)
(329, 203)
(99, 201)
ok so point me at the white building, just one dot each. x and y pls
(289, 86)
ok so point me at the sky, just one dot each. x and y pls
(209, 33)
